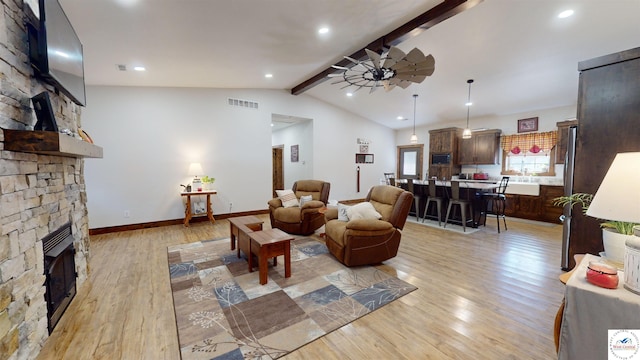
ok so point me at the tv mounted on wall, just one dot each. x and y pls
(55, 51)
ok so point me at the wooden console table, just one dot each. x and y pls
(187, 209)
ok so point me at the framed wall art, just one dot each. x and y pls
(364, 158)
(294, 153)
(526, 125)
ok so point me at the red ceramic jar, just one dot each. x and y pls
(602, 275)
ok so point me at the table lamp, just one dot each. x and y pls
(618, 199)
(195, 169)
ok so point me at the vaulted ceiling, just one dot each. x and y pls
(520, 54)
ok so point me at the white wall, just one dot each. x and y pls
(301, 135)
(547, 120)
(150, 135)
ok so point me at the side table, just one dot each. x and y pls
(590, 311)
(187, 209)
(270, 243)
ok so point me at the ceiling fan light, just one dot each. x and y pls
(466, 133)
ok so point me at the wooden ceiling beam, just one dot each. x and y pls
(414, 27)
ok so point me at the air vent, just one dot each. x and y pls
(243, 103)
(121, 67)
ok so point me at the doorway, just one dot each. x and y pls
(292, 150)
(278, 168)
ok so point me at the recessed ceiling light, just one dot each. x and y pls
(323, 30)
(349, 94)
(468, 104)
(400, 118)
(268, 76)
(565, 14)
(139, 68)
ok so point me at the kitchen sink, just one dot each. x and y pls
(523, 188)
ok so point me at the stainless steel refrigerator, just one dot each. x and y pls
(569, 164)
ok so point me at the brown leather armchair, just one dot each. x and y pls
(370, 241)
(305, 219)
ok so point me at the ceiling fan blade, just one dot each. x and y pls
(425, 72)
(374, 88)
(415, 56)
(339, 67)
(418, 79)
(388, 86)
(335, 75)
(402, 63)
(352, 60)
(374, 57)
(404, 84)
(393, 56)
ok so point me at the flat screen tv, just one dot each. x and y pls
(55, 51)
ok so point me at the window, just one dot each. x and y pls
(528, 163)
(529, 154)
(410, 161)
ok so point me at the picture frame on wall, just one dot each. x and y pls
(527, 125)
(294, 153)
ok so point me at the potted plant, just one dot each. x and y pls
(614, 233)
(208, 182)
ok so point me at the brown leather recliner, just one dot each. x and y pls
(302, 220)
(370, 241)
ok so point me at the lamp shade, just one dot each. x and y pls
(618, 197)
(195, 169)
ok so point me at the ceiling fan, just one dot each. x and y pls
(391, 69)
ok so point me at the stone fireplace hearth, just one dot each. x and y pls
(38, 195)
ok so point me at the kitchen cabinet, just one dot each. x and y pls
(482, 149)
(539, 208)
(444, 142)
(563, 135)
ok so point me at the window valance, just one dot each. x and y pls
(533, 142)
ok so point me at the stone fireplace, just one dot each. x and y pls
(39, 194)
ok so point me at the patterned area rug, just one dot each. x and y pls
(222, 312)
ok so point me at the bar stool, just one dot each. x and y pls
(417, 198)
(388, 177)
(495, 203)
(462, 203)
(433, 198)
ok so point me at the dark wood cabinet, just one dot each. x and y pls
(444, 142)
(538, 208)
(550, 212)
(608, 108)
(482, 149)
(563, 135)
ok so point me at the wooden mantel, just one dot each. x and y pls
(49, 143)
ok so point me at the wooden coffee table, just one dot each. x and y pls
(270, 243)
(239, 229)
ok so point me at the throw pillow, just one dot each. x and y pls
(342, 212)
(287, 197)
(304, 199)
(363, 210)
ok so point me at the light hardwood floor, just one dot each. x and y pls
(480, 296)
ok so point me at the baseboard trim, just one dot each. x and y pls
(153, 224)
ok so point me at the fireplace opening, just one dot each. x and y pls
(60, 272)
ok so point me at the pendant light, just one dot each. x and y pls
(466, 134)
(414, 138)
